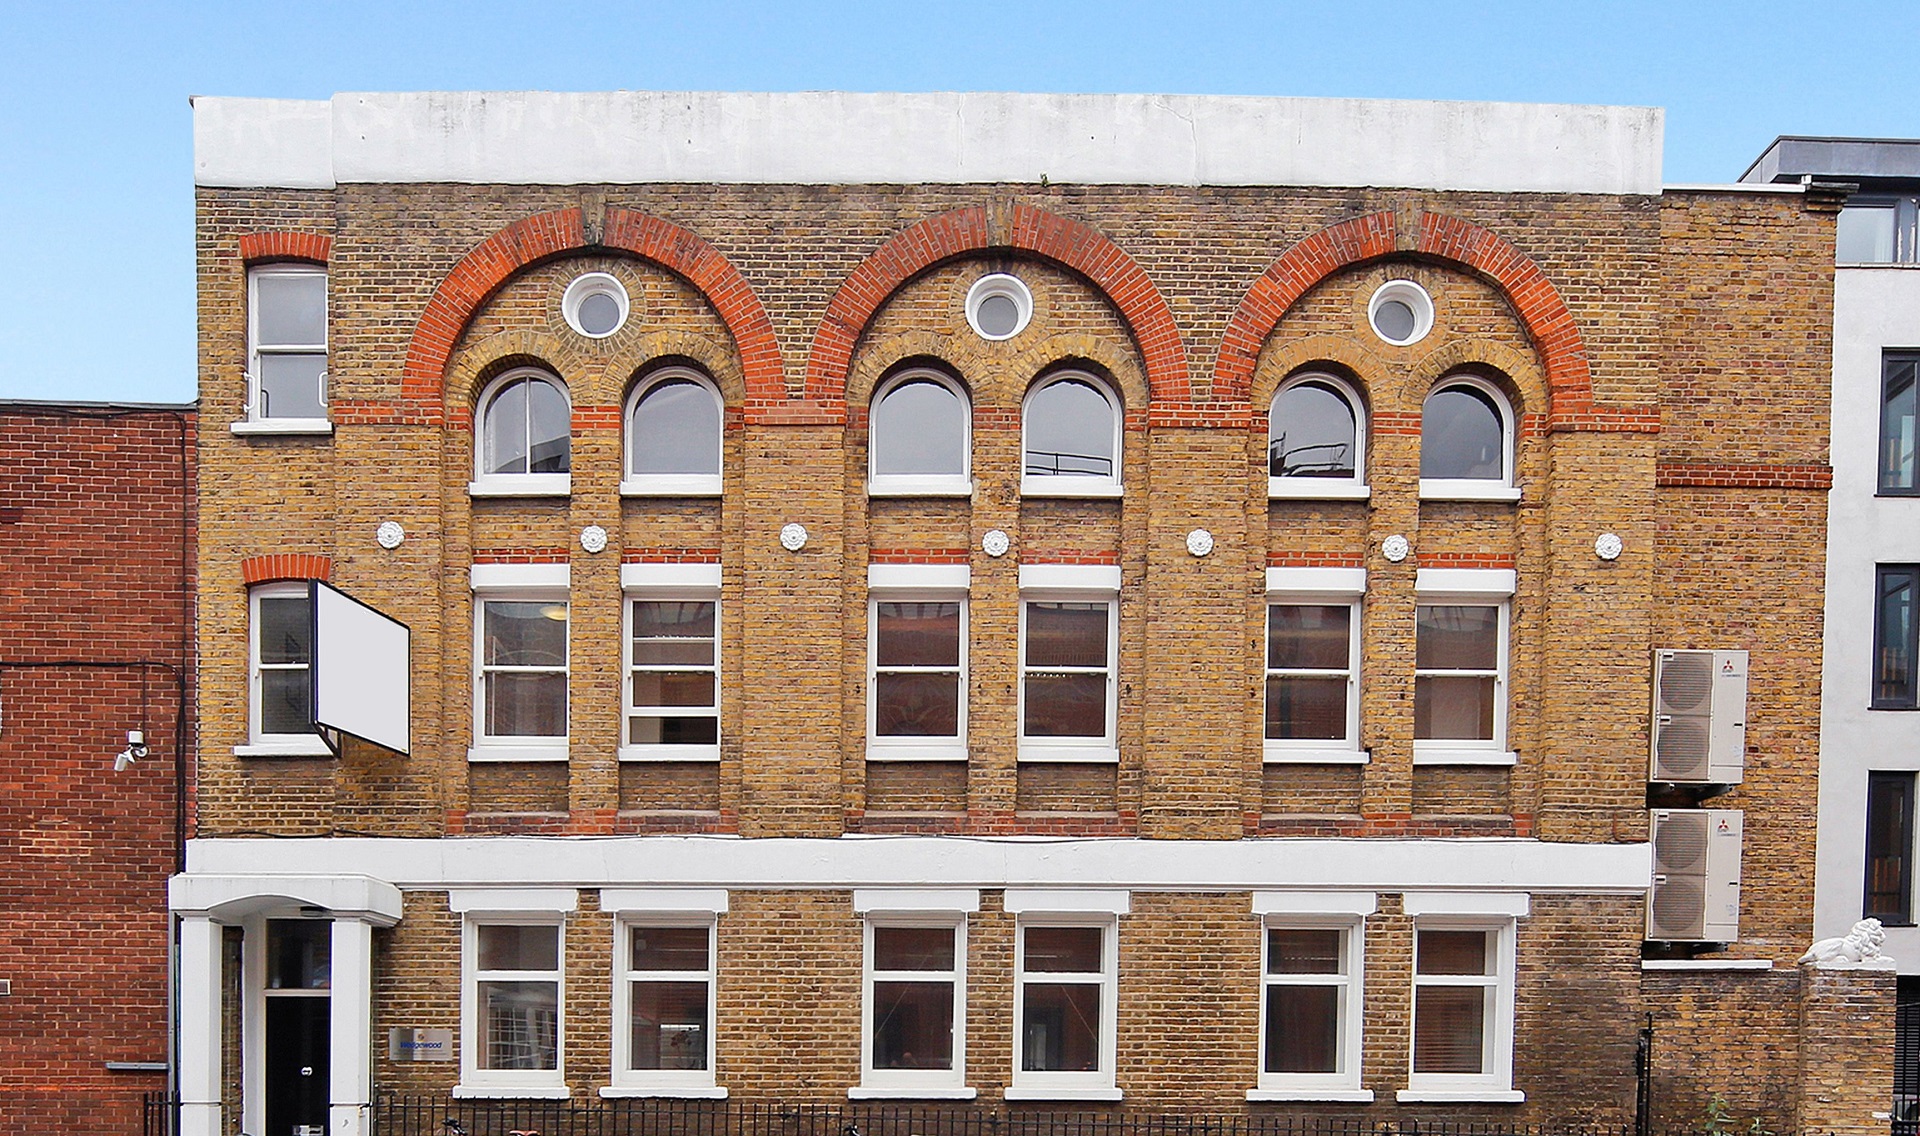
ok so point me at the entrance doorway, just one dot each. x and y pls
(298, 1025)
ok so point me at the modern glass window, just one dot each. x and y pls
(915, 1006)
(1894, 628)
(673, 678)
(1313, 657)
(1310, 1008)
(1071, 437)
(917, 705)
(1878, 230)
(280, 682)
(1466, 441)
(287, 344)
(674, 428)
(525, 435)
(1067, 702)
(1316, 438)
(920, 436)
(1064, 991)
(520, 660)
(1462, 1007)
(514, 993)
(1889, 878)
(1459, 687)
(664, 1005)
(1898, 374)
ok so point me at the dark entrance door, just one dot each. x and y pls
(297, 1050)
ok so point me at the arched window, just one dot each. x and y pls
(1466, 441)
(1070, 432)
(524, 436)
(673, 435)
(1316, 439)
(920, 437)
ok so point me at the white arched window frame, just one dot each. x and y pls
(485, 484)
(943, 483)
(1068, 477)
(1501, 488)
(687, 483)
(1353, 487)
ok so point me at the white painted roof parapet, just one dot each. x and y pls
(828, 137)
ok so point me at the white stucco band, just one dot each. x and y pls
(828, 137)
(1472, 865)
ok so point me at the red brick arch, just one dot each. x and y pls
(1436, 237)
(530, 240)
(285, 566)
(285, 244)
(962, 231)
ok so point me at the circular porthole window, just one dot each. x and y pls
(999, 306)
(595, 305)
(1401, 312)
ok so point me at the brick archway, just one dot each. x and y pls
(962, 231)
(544, 236)
(1436, 237)
(270, 245)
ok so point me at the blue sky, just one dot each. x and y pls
(96, 300)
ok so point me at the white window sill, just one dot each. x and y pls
(683, 1092)
(916, 751)
(511, 1092)
(926, 485)
(672, 485)
(1030, 1093)
(1095, 754)
(1316, 489)
(872, 1092)
(1290, 755)
(670, 753)
(1467, 489)
(282, 426)
(485, 753)
(292, 747)
(521, 485)
(1460, 1096)
(1334, 1096)
(1067, 485)
(1443, 755)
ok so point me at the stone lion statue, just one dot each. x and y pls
(1860, 945)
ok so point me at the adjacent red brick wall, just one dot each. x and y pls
(91, 546)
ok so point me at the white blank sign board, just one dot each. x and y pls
(360, 670)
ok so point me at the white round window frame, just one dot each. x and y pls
(589, 284)
(999, 284)
(1414, 297)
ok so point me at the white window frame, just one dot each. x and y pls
(516, 583)
(252, 420)
(516, 484)
(1343, 911)
(1496, 914)
(1072, 583)
(1471, 587)
(260, 743)
(1353, 488)
(528, 908)
(912, 583)
(671, 484)
(662, 907)
(1075, 485)
(922, 484)
(1317, 587)
(1044, 908)
(1503, 488)
(925, 1084)
(641, 583)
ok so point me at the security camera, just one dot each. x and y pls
(136, 749)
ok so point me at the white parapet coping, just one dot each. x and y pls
(842, 138)
(1466, 865)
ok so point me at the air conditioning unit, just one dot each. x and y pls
(1699, 717)
(1696, 876)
